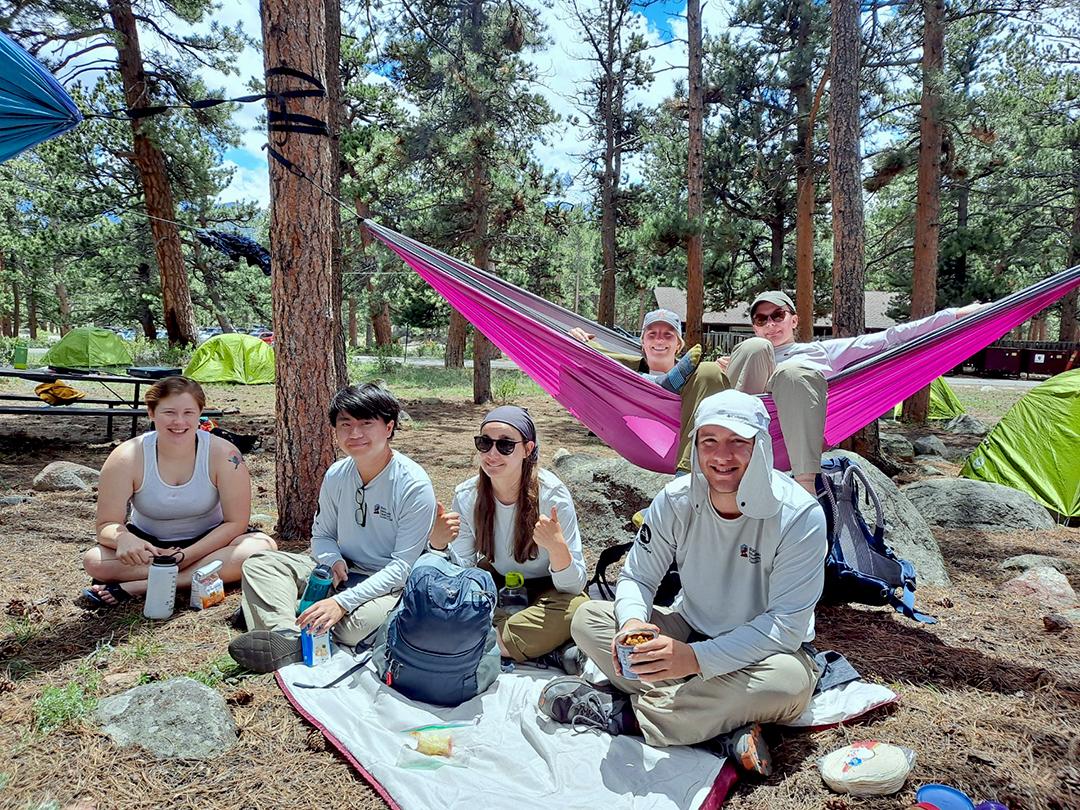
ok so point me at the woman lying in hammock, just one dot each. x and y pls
(514, 516)
(661, 342)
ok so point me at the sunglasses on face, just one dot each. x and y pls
(361, 508)
(504, 446)
(775, 317)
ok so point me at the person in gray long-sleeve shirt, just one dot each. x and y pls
(376, 511)
(750, 546)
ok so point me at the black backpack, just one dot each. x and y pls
(860, 567)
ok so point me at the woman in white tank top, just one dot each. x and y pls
(188, 490)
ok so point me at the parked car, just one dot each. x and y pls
(265, 337)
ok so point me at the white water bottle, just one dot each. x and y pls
(161, 586)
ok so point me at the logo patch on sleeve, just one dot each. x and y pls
(644, 537)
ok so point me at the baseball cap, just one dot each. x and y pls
(740, 413)
(773, 297)
(665, 315)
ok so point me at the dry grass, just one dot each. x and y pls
(990, 699)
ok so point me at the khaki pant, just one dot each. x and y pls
(776, 690)
(541, 627)
(273, 584)
(799, 393)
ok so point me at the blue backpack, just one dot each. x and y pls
(438, 645)
(860, 567)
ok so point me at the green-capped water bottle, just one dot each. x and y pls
(513, 597)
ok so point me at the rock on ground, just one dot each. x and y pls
(606, 492)
(15, 500)
(175, 719)
(930, 446)
(65, 476)
(897, 446)
(960, 503)
(967, 424)
(1048, 585)
(906, 531)
(1026, 561)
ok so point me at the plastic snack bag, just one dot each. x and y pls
(430, 747)
(867, 768)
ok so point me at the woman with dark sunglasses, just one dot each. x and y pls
(515, 516)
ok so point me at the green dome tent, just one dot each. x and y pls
(943, 402)
(87, 347)
(1034, 447)
(232, 358)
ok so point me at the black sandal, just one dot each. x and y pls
(115, 590)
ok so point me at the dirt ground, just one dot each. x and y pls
(990, 698)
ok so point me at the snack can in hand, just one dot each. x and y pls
(626, 643)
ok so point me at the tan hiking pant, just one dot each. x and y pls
(776, 690)
(272, 585)
(541, 627)
(799, 393)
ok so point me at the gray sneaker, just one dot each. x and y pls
(568, 658)
(577, 703)
(266, 650)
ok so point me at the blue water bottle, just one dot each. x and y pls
(318, 586)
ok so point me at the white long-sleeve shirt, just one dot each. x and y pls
(400, 505)
(834, 355)
(553, 493)
(750, 586)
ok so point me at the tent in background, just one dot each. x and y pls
(1034, 447)
(87, 347)
(232, 358)
(943, 402)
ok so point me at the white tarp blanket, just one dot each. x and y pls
(512, 755)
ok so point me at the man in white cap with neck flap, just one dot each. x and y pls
(750, 546)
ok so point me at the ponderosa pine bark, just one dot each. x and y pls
(179, 314)
(306, 314)
(695, 278)
(1067, 330)
(928, 196)
(804, 177)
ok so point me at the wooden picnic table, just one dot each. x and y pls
(118, 407)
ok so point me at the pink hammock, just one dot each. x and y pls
(640, 420)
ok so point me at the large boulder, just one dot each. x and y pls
(960, 503)
(606, 492)
(1048, 585)
(65, 476)
(898, 446)
(966, 424)
(906, 532)
(175, 719)
(930, 446)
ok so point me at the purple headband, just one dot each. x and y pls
(519, 419)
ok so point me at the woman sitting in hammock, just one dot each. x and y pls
(189, 492)
(514, 516)
(661, 342)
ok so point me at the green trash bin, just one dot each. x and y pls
(19, 358)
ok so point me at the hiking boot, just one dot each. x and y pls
(746, 747)
(568, 658)
(577, 703)
(266, 650)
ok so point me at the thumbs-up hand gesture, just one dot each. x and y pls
(446, 528)
(548, 532)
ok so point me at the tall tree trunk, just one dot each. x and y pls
(804, 176)
(16, 314)
(334, 115)
(307, 318)
(928, 199)
(455, 340)
(480, 204)
(142, 308)
(5, 325)
(176, 297)
(695, 279)
(352, 322)
(31, 312)
(608, 190)
(845, 188)
(378, 306)
(1068, 330)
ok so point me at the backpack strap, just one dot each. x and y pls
(906, 603)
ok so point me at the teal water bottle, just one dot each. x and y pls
(318, 586)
